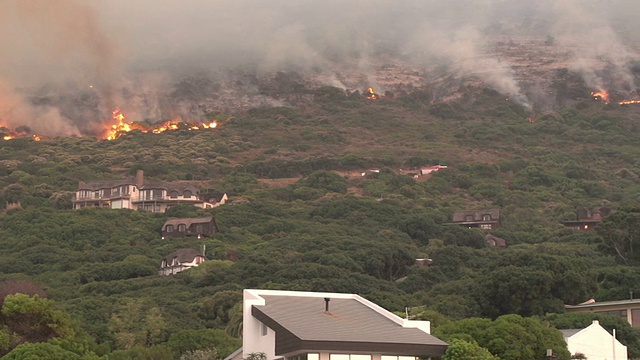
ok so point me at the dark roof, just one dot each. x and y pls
(104, 184)
(348, 321)
(461, 216)
(184, 255)
(596, 213)
(500, 242)
(179, 187)
(570, 332)
(187, 221)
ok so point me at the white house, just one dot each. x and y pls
(595, 343)
(296, 325)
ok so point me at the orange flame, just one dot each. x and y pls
(629, 102)
(121, 127)
(601, 96)
(371, 94)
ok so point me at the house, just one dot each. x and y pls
(587, 218)
(594, 342)
(138, 194)
(495, 241)
(329, 326)
(429, 169)
(482, 219)
(181, 260)
(628, 310)
(181, 227)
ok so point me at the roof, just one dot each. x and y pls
(179, 187)
(104, 184)
(567, 333)
(350, 320)
(185, 255)
(604, 304)
(461, 216)
(187, 221)
(499, 242)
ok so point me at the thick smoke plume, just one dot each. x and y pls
(68, 63)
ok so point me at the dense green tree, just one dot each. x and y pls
(620, 233)
(509, 337)
(463, 350)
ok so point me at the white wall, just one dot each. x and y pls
(596, 343)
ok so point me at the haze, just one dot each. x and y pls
(145, 46)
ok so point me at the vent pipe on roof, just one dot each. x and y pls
(326, 304)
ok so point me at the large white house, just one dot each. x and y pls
(595, 343)
(138, 194)
(296, 325)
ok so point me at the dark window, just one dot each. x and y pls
(199, 229)
(186, 194)
(635, 317)
(169, 228)
(174, 194)
(182, 228)
(486, 217)
(469, 218)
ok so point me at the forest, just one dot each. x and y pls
(83, 284)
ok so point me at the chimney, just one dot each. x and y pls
(139, 178)
(326, 304)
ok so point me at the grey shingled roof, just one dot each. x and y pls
(567, 333)
(461, 216)
(187, 221)
(348, 320)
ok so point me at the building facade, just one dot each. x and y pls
(138, 194)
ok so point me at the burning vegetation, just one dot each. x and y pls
(371, 94)
(604, 96)
(121, 126)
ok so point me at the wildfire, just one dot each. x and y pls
(629, 102)
(371, 94)
(601, 96)
(122, 127)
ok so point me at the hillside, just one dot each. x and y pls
(301, 216)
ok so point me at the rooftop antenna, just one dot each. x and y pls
(326, 304)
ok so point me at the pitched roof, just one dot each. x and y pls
(499, 242)
(567, 333)
(461, 216)
(104, 184)
(185, 255)
(187, 221)
(348, 321)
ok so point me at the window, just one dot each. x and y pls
(389, 357)
(174, 194)
(199, 229)
(169, 228)
(635, 317)
(182, 228)
(619, 313)
(468, 218)
(175, 261)
(263, 329)
(485, 226)
(186, 194)
(486, 217)
(349, 357)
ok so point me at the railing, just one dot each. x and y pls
(93, 197)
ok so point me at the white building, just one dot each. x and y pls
(295, 325)
(595, 343)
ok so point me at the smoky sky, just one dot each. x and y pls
(145, 45)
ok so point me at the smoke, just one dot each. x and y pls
(136, 54)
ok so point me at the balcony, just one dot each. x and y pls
(93, 197)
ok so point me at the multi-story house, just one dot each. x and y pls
(481, 219)
(138, 194)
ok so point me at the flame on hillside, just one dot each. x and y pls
(629, 102)
(601, 96)
(371, 94)
(121, 126)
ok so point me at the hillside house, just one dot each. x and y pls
(594, 342)
(628, 310)
(138, 194)
(329, 326)
(587, 218)
(481, 219)
(181, 260)
(429, 169)
(495, 241)
(181, 227)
